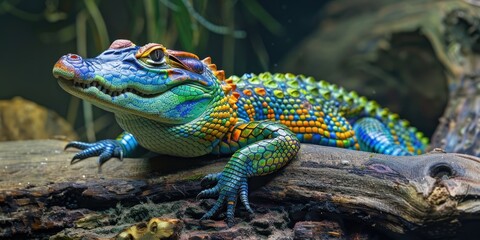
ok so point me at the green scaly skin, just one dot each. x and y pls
(170, 102)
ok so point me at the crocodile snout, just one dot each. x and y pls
(65, 66)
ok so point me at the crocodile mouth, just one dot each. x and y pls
(83, 86)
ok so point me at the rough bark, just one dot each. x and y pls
(459, 128)
(429, 196)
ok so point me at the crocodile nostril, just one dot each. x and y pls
(74, 57)
(441, 171)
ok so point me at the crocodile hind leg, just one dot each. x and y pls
(259, 148)
(373, 136)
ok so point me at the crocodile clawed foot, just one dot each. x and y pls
(228, 189)
(105, 150)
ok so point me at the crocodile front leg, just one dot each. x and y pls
(259, 148)
(124, 146)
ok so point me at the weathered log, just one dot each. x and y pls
(432, 195)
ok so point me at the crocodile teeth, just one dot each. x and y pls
(105, 90)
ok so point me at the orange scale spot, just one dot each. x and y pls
(320, 120)
(320, 131)
(293, 124)
(341, 135)
(282, 117)
(265, 104)
(340, 143)
(260, 91)
(305, 111)
(322, 114)
(306, 124)
(308, 129)
(290, 117)
(314, 129)
(299, 111)
(357, 147)
(288, 123)
(311, 123)
(203, 129)
(337, 124)
(247, 92)
(295, 129)
(324, 126)
(302, 129)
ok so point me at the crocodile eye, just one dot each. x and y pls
(156, 57)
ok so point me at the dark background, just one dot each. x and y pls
(30, 43)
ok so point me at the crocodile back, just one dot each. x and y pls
(317, 111)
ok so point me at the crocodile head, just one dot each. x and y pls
(149, 81)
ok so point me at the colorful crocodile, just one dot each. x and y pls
(170, 102)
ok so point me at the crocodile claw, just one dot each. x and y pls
(105, 150)
(228, 189)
